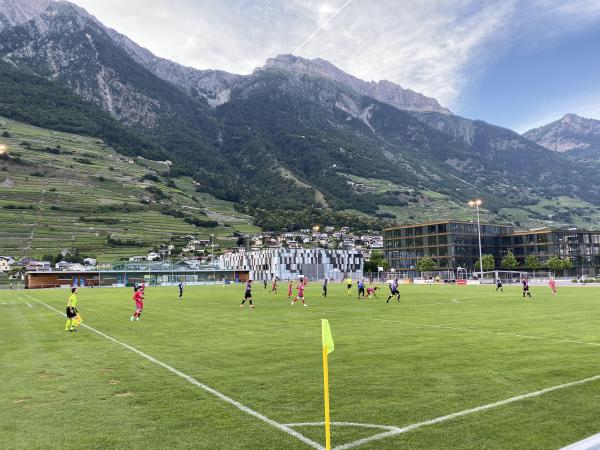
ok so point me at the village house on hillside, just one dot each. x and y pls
(5, 263)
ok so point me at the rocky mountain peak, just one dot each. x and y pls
(570, 118)
(15, 12)
(571, 133)
(384, 91)
(68, 13)
(214, 85)
(316, 66)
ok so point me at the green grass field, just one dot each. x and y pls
(441, 350)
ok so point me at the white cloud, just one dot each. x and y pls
(434, 47)
(423, 46)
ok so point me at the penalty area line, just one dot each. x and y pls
(197, 383)
(377, 437)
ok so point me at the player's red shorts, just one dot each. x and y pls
(139, 305)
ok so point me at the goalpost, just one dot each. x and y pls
(506, 276)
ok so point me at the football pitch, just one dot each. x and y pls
(447, 367)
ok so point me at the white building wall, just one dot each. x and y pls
(286, 264)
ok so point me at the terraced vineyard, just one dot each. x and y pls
(63, 191)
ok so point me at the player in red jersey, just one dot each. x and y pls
(552, 285)
(138, 297)
(290, 289)
(300, 296)
(274, 286)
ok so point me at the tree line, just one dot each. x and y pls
(509, 262)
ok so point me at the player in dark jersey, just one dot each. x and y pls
(525, 284)
(324, 294)
(361, 289)
(248, 295)
(499, 285)
(394, 290)
(180, 289)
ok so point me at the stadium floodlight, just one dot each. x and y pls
(212, 258)
(477, 203)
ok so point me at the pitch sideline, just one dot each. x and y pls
(197, 383)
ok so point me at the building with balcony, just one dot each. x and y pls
(582, 247)
(454, 244)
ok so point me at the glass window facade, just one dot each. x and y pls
(455, 244)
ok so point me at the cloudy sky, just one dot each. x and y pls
(516, 63)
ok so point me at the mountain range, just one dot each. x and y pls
(572, 134)
(293, 139)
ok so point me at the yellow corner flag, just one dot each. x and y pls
(326, 336)
(327, 348)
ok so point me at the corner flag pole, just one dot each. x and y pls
(326, 393)
(327, 348)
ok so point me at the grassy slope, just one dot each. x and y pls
(76, 189)
(389, 367)
(429, 205)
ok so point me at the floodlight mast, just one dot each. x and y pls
(212, 257)
(476, 204)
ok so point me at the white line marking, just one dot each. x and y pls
(591, 443)
(195, 382)
(455, 300)
(343, 424)
(472, 330)
(377, 437)
(29, 304)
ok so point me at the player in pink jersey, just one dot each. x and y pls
(138, 297)
(300, 296)
(290, 289)
(552, 285)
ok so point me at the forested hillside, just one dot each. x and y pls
(293, 143)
